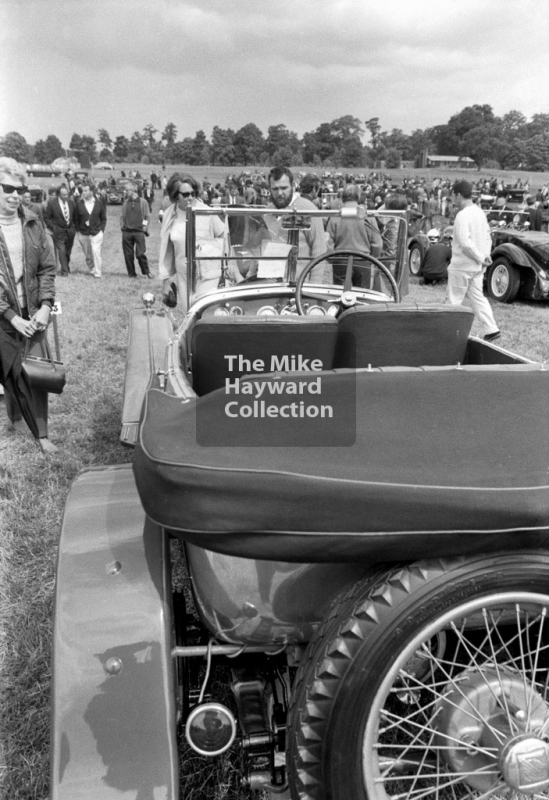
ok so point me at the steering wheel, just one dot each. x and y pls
(348, 297)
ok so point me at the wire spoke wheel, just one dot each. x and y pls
(430, 682)
(472, 720)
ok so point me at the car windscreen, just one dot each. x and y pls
(232, 245)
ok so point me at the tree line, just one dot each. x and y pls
(507, 142)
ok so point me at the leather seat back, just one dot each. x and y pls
(395, 335)
(258, 344)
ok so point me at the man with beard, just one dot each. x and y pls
(312, 243)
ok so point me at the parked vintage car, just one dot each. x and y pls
(38, 194)
(520, 265)
(116, 194)
(43, 171)
(367, 541)
(104, 165)
(507, 218)
(515, 198)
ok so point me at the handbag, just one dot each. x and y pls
(45, 373)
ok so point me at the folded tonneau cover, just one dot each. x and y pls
(445, 461)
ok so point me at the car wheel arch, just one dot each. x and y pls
(515, 255)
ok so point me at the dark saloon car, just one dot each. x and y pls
(520, 265)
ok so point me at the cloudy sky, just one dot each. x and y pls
(74, 66)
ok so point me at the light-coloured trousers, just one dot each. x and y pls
(91, 245)
(463, 284)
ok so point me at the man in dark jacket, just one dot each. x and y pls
(535, 214)
(27, 277)
(134, 219)
(59, 217)
(91, 219)
(437, 257)
(148, 194)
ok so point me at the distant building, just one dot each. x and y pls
(447, 162)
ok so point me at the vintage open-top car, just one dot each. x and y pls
(363, 506)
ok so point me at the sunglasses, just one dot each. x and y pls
(8, 189)
(186, 194)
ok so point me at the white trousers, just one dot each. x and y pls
(91, 245)
(463, 284)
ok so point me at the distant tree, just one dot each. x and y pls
(104, 138)
(148, 134)
(282, 156)
(46, 151)
(393, 158)
(418, 141)
(201, 149)
(249, 143)
(170, 134)
(39, 152)
(374, 128)
(223, 151)
(326, 141)
(137, 147)
(470, 117)
(311, 148)
(183, 151)
(538, 126)
(83, 144)
(278, 136)
(347, 132)
(513, 124)
(397, 140)
(444, 140)
(14, 145)
(121, 148)
(481, 143)
(536, 152)
(377, 148)
(352, 154)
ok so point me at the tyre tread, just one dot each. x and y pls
(352, 619)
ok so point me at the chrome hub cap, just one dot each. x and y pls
(487, 723)
(463, 711)
(500, 281)
(525, 764)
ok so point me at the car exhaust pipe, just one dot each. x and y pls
(210, 729)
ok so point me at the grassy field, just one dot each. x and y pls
(218, 174)
(84, 424)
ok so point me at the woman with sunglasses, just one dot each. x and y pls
(27, 273)
(184, 190)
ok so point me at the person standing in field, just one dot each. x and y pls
(470, 257)
(148, 194)
(59, 217)
(535, 214)
(27, 281)
(91, 220)
(312, 243)
(134, 221)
